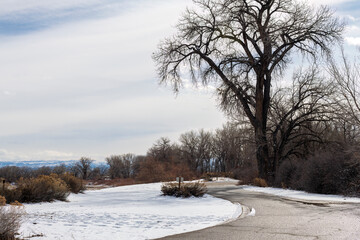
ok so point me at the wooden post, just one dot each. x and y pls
(3, 182)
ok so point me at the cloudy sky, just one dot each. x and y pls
(77, 78)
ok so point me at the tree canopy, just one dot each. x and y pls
(239, 46)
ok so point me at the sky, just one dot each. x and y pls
(77, 78)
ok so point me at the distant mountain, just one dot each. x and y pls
(36, 163)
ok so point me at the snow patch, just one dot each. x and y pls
(128, 212)
(302, 195)
(251, 213)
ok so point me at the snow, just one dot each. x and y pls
(128, 212)
(224, 180)
(252, 213)
(301, 195)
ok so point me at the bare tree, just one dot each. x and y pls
(231, 144)
(164, 151)
(297, 115)
(239, 46)
(346, 74)
(83, 167)
(196, 150)
(120, 165)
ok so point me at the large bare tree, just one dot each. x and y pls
(239, 46)
(299, 114)
(346, 74)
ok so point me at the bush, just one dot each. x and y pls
(156, 171)
(332, 171)
(246, 174)
(74, 184)
(186, 189)
(10, 220)
(287, 174)
(2, 201)
(10, 193)
(260, 182)
(43, 189)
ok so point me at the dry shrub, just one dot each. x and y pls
(74, 184)
(186, 190)
(260, 182)
(332, 171)
(16, 203)
(152, 171)
(246, 174)
(10, 193)
(156, 171)
(2, 201)
(287, 174)
(10, 220)
(43, 189)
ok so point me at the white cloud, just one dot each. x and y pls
(329, 2)
(21, 6)
(353, 41)
(89, 87)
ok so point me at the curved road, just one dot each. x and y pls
(278, 218)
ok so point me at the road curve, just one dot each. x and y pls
(278, 218)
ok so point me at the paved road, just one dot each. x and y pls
(277, 218)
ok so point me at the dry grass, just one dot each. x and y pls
(10, 220)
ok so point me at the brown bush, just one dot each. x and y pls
(10, 221)
(2, 201)
(156, 171)
(186, 189)
(16, 203)
(260, 182)
(43, 189)
(74, 184)
(10, 193)
(153, 171)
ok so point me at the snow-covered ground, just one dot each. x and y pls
(129, 212)
(302, 195)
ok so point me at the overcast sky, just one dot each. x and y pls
(77, 78)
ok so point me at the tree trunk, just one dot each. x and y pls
(261, 113)
(262, 154)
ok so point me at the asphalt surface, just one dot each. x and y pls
(278, 218)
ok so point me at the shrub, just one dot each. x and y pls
(10, 193)
(10, 220)
(16, 203)
(332, 171)
(153, 171)
(74, 184)
(186, 190)
(260, 182)
(286, 174)
(43, 189)
(156, 171)
(246, 174)
(2, 201)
